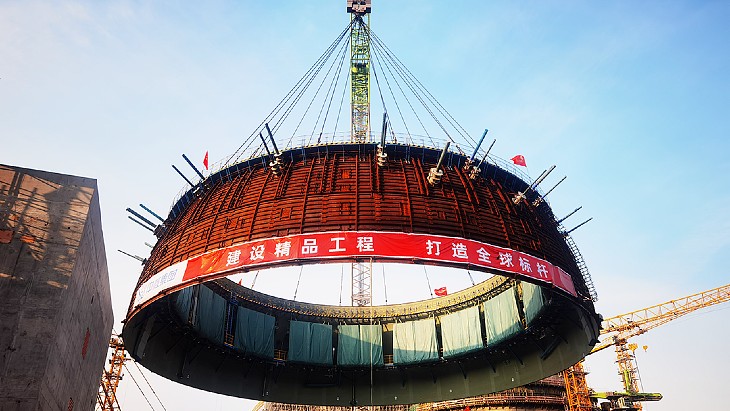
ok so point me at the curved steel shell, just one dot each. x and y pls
(340, 188)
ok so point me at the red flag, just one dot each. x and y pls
(519, 159)
(240, 281)
(441, 292)
(205, 160)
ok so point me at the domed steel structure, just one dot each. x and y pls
(360, 202)
(329, 197)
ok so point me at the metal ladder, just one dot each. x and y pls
(582, 266)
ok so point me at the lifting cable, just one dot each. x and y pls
(395, 101)
(398, 71)
(254, 279)
(342, 101)
(301, 268)
(371, 338)
(319, 64)
(291, 106)
(252, 138)
(430, 290)
(417, 88)
(301, 87)
(308, 77)
(410, 85)
(387, 63)
(316, 93)
(382, 100)
(455, 124)
(114, 332)
(342, 280)
(331, 93)
(149, 385)
(139, 388)
(407, 101)
(385, 287)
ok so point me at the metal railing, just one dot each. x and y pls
(582, 267)
(325, 139)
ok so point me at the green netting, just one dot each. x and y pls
(254, 333)
(501, 318)
(322, 352)
(461, 332)
(532, 300)
(414, 342)
(310, 343)
(211, 314)
(183, 302)
(348, 347)
(371, 344)
(360, 345)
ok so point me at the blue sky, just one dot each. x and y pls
(631, 100)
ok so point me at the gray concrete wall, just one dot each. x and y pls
(54, 286)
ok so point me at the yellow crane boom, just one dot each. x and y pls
(622, 327)
(616, 332)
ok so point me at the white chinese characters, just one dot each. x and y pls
(525, 265)
(459, 250)
(505, 259)
(483, 255)
(310, 246)
(234, 257)
(365, 244)
(338, 247)
(282, 249)
(433, 247)
(257, 252)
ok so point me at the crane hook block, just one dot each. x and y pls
(358, 6)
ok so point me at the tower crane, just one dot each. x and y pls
(616, 332)
(360, 120)
(107, 396)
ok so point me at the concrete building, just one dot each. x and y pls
(55, 303)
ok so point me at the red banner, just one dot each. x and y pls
(350, 245)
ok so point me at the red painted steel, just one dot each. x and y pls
(341, 188)
(315, 248)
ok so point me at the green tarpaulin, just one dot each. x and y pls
(310, 343)
(183, 302)
(461, 332)
(254, 333)
(414, 342)
(211, 314)
(360, 345)
(501, 318)
(532, 300)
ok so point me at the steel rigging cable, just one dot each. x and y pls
(251, 138)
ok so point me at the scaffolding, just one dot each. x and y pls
(107, 395)
(545, 394)
(576, 389)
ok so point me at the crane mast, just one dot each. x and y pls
(360, 121)
(616, 332)
(620, 328)
(577, 394)
(107, 395)
(360, 70)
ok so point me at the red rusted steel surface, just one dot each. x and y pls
(336, 188)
